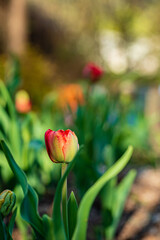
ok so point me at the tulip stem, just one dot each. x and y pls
(64, 201)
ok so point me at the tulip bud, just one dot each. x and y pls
(93, 72)
(7, 202)
(61, 145)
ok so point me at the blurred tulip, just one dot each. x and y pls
(93, 72)
(22, 102)
(70, 95)
(7, 202)
(61, 145)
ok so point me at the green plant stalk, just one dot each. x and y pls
(64, 200)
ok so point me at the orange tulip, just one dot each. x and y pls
(70, 95)
(22, 102)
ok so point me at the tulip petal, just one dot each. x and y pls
(71, 147)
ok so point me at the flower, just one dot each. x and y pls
(70, 95)
(22, 102)
(61, 145)
(93, 72)
(7, 202)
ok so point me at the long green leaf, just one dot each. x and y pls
(121, 194)
(48, 227)
(19, 174)
(89, 197)
(29, 211)
(72, 213)
(12, 221)
(29, 207)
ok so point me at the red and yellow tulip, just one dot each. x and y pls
(61, 145)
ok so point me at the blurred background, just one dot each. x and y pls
(54, 39)
(44, 48)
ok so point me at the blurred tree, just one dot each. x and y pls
(2, 25)
(16, 26)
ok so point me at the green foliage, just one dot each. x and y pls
(117, 123)
(25, 136)
(113, 200)
(104, 135)
(90, 195)
(30, 202)
(6, 231)
(55, 225)
(106, 124)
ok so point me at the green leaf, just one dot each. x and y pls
(108, 193)
(12, 221)
(107, 197)
(14, 134)
(29, 211)
(89, 197)
(72, 213)
(48, 227)
(29, 207)
(3, 233)
(4, 120)
(118, 203)
(19, 174)
(59, 231)
(15, 139)
(6, 96)
(109, 158)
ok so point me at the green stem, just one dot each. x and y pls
(64, 201)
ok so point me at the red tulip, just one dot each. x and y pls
(61, 145)
(93, 72)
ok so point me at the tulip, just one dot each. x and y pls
(70, 95)
(7, 202)
(22, 102)
(93, 72)
(61, 145)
